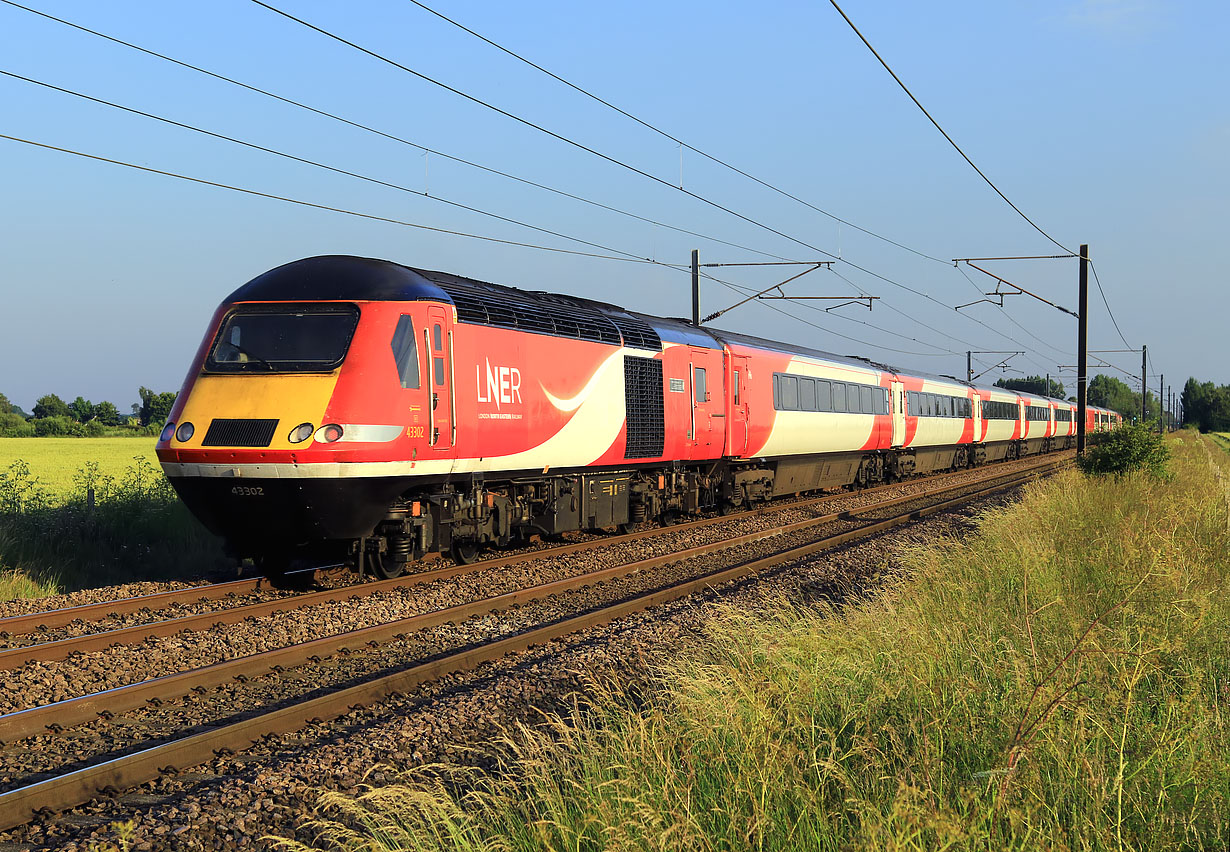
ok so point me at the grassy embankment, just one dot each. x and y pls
(1060, 680)
(52, 538)
(1222, 439)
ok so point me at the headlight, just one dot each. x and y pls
(167, 432)
(329, 433)
(184, 432)
(301, 433)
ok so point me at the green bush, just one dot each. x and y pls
(45, 427)
(1132, 446)
(14, 426)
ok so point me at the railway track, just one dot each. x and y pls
(39, 623)
(812, 535)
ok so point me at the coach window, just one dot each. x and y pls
(868, 399)
(406, 352)
(839, 396)
(851, 397)
(698, 382)
(736, 387)
(807, 395)
(790, 393)
(824, 396)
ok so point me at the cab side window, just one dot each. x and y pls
(406, 352)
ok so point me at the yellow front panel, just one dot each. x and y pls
(290, 399)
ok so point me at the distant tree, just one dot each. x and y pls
(1206, 405)
(82, 409)
(51, 406)
(1109, 392)
(155, 408)
(107, 414)
(6, 407)
(1033, 385)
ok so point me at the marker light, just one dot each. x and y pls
(329, 433)
(167, 432)
(301, 433)
(184, 432)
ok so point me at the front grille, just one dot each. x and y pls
(227, 432)
(643, 407)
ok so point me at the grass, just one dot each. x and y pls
(57, 460)
(1222, 439)
(70, 521)
(1060, 680)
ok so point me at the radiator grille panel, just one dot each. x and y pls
(226, 432)
(643, 401)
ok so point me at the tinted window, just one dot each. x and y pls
(839, 396)
(867, 399)
(736, 387)
(406, 352)
(807, 395)
(911, 403)
(698, 382)
(438, 365)
(824, 396)
(790, 393)
(851, 397)
(439, 335)
(283, 339)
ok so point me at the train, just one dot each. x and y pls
(356, 408)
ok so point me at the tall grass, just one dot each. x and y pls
(104, 530)
(1060, 680)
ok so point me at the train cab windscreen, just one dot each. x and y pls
(283, 338)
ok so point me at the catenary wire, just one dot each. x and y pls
(964, 156)
(540, 128)
(403, 223)
(606, 157)
(196, 68)
(370, 216)
(315, 164)
(1013, 320)
(746, 290)
(384, 134)
(670, 136)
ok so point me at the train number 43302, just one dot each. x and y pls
(248, 491)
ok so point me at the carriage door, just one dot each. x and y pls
(438, 343)
(897, 392)
(704, 380)
(737, 407)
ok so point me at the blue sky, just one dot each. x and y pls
(1106, 121)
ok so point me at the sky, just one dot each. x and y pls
(1105, 121)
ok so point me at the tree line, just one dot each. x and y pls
(1206, 405)
(83, 418)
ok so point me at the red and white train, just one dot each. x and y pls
(350, 405)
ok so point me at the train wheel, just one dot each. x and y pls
(386, 570)
(464, 552)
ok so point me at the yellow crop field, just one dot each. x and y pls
(54, 461)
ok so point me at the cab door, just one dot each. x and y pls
(707, 412)
(897, 392)
(737, 409)
(438, 344)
